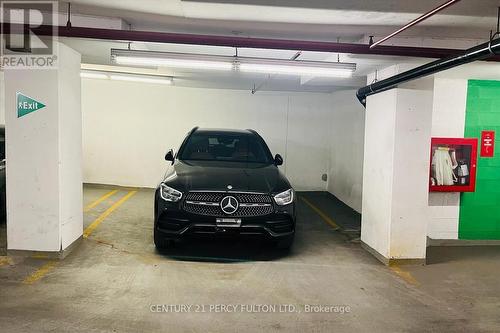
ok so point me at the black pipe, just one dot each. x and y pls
(479, 52)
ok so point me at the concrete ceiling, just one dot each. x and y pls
(464, 24)
(314, 19)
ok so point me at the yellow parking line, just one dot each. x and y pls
(5, 261)
(40, 256)
(325, 217)
(40, 273)
(49, 266)
(101, 217)
(406, 276)
(98, 201)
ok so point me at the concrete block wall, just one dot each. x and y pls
(345, 171)
(132, 125)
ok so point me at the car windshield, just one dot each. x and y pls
(231, 147)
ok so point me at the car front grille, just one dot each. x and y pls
(208, 204)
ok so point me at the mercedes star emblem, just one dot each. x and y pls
(229, 205)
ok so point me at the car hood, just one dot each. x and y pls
(217, 176)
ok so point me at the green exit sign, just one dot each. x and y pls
(26, 105)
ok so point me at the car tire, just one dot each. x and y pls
(286, 243)
(161, 243)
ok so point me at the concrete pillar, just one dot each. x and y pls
(396, 175)
(44, 157)
(2, 98)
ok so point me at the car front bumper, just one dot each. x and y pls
(172, 222)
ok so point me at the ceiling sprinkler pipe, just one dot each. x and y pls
(416, 21)
(480, 52)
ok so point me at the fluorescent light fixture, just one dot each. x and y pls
(242, 64)
(140, 78)
(93, 75)
(301, 68)
(169, 59)
(176, 63)
(118, 76)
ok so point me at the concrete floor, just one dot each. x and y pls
(110, 282)
(348, 220)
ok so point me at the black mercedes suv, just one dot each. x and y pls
(224, 183)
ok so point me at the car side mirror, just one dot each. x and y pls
(169, 156)
(278, 160)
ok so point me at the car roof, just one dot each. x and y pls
(224, 131)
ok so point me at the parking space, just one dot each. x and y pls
(249, 166)
(116, 279)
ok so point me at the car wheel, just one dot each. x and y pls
(161, 243)
(286, 243)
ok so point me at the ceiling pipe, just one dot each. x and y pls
(236, 41)
(68, 23)
(480, 52)
(416, 21)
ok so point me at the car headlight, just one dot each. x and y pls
(284, 198)
(170, 194)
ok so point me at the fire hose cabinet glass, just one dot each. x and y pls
(453, 165)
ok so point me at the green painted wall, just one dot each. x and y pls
(480, 211)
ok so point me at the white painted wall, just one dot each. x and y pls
(449, 108)
(70, 146)
(395, 179)
(128, 127)
(345, 172)
(378, 170)
(43, 148)
(410, 212)
(32, 166)
(2, 98)
(448, 121)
